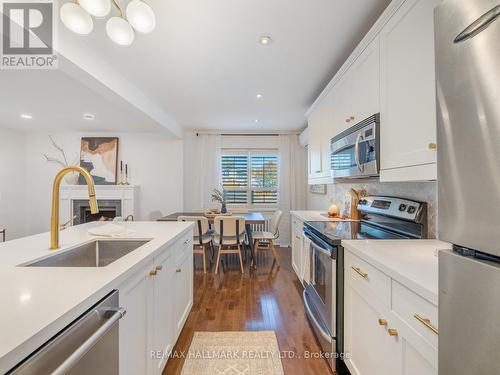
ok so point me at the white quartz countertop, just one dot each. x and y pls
(37, 302)
(312, 215)
(413, 263)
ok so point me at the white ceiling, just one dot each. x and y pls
(203, 64)
(57, 102)
(201, 68)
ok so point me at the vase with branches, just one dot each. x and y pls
(219, 196)
(62, 160)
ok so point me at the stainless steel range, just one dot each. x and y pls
(382, 218)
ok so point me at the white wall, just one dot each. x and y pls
(155, 165)
(12, 182)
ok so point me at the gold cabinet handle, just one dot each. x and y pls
(178, 270)
(297, 237)
(432, 146)
(392, 332)
(360, 272)
(426, 322)
(153, 273)
(382, 322)
(347, 120)
(351, 118)
(318, 171)
(159, 268)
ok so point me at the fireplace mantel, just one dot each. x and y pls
(127, 194)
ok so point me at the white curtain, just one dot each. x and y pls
(292, 182)
(201, 170)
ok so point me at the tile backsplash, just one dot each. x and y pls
(339, 193)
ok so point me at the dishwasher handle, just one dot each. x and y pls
(64, 367)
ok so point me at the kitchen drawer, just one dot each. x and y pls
(368, 279)
(408, 305)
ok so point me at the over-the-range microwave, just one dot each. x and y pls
(354, 153)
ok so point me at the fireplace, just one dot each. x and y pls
(108, 210)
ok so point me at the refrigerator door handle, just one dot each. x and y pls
(478, 25)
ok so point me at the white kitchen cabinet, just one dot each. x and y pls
(158, 299)
(357, 93)
(320, 127)
(183, 291)
(407, 94)
(369, 319)
(136, 296)
(297, 246)
(163, 335)
(371, 351)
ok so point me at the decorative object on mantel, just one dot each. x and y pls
(99, 155)
(70, 178)
(76, 16)
(122, 181)
(218, 196)
(317, 189)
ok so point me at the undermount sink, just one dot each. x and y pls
(97, 253)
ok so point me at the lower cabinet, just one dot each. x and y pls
(158, 299)
(297, 247)
(381, 338)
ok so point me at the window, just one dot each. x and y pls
(250, 177)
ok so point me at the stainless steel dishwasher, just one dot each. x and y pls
(89, 345)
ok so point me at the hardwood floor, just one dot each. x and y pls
(266, 299)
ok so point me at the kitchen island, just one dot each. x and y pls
(37, 302)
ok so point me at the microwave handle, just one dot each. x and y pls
(356, 152)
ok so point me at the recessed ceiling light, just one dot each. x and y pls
(259, 96)
(26, 116)
(256, 121)
(89, 116)
(265, 40)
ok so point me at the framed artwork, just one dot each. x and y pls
(317, 189)
(99, 156)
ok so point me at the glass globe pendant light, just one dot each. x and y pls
(75, 18)
(96, 8)
(120, 31)
(141, 16)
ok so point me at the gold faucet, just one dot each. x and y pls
(54, 221)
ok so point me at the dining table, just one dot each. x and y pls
(251, 218)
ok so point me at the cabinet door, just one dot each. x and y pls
(414, 363)
(297, 254)
(369, 348)
(314, 129)
(407, 92)
(183, 289)
(366, 85)
(163, 333)
(136, 296)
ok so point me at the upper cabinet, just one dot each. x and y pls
(407, 94)
(319, 129)
(391, 72)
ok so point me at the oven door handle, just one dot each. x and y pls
(319, 244)
(310, 314)
(356, 152)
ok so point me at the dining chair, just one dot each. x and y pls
(229, 236)
(201, 236)
(265, 240)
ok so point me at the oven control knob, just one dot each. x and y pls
(362, 202)
(412, 209)
(402, 207)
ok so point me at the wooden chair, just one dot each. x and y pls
(202, 236)
(230, 236)
(265, 240)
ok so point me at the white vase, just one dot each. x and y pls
(72, 178)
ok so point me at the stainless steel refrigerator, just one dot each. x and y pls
(468, 91)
